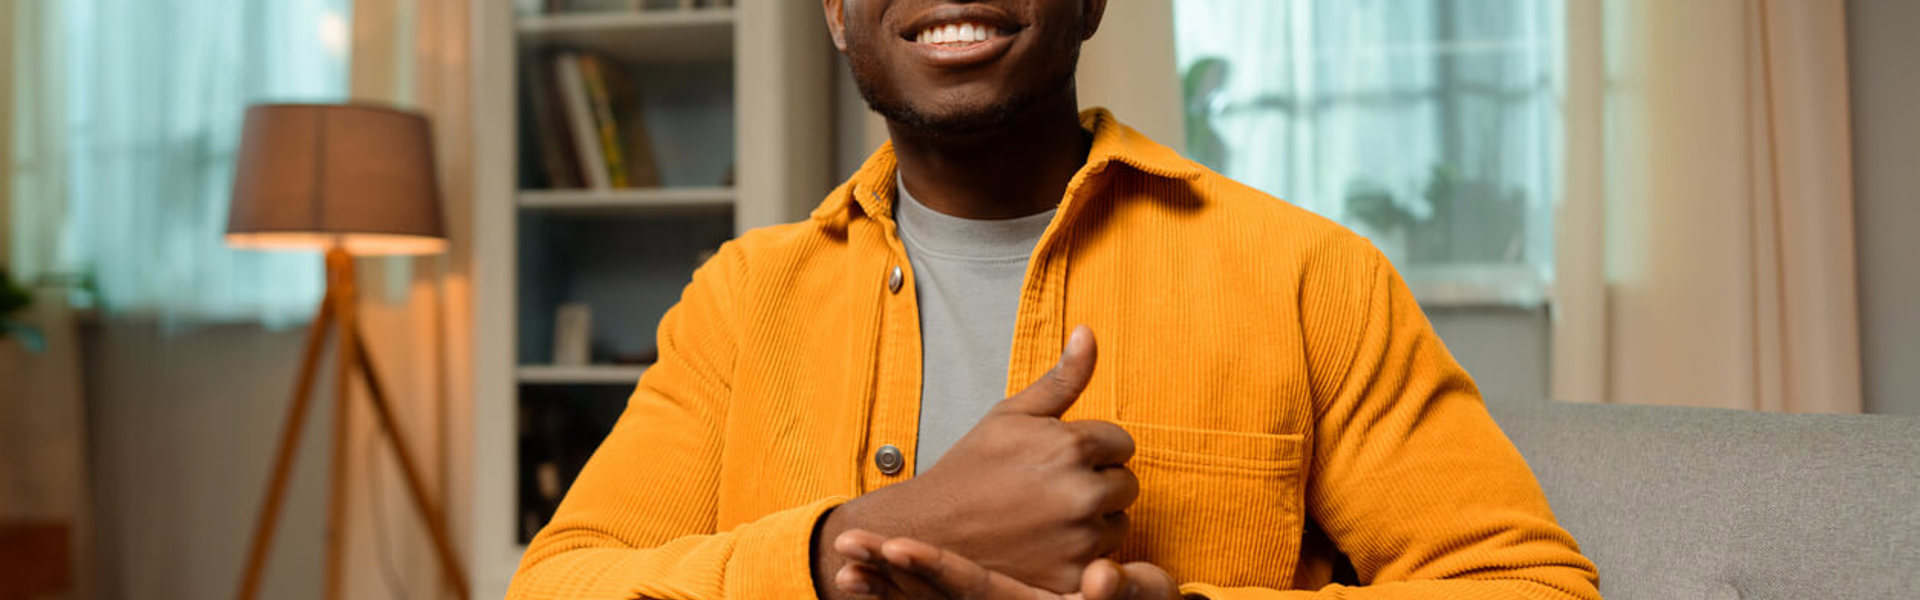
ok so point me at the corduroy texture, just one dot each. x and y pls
(1271, 366)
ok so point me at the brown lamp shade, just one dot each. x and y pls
(315, 176)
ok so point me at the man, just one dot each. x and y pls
(868, 403)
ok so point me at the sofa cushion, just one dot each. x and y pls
(1676, 503)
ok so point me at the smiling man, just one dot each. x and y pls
(903, 395)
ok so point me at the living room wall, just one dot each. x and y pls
(1886, 150)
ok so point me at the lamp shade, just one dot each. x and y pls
(314, 176)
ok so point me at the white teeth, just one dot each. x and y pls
(963, 33)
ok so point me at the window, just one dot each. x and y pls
(135, 109)
(1432, 127)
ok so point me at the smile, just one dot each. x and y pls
(962, 44)
(958, 34)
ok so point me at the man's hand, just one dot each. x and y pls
(1023, 493)
(908, 569)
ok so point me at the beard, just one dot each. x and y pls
(870, 78)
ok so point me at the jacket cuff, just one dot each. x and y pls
(1203, 591)
(773, 557)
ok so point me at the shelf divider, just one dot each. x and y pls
(659, 36)
(641, 201)
(596, 374)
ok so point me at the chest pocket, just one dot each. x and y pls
(1217, 507)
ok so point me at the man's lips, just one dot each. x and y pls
(961, 35)
(964, 54)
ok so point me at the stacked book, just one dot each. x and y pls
(584, 117)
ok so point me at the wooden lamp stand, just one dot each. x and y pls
(337, 315)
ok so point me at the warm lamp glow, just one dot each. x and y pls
(359, 244)
(319, 176)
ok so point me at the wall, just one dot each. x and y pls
(1886, 155)
(182, 432)
(1507, 350)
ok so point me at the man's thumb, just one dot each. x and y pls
(1055, 392)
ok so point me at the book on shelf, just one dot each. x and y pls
(579, 109)
(592, 125)
(548, 129)
(623, 127)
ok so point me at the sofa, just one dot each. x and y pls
(1686, 503)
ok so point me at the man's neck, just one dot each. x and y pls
(1021, 169)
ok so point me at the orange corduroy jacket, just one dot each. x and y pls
(1289, 402)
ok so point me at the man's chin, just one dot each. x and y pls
(950, 121)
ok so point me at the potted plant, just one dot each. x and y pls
(13, 301)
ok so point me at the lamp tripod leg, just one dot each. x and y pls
(435, 521)
(340, 286)
(290, 432)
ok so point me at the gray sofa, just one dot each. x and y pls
(1678, 503)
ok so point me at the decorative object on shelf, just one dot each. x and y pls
(573, 334)
(352, 180)
(643, 357)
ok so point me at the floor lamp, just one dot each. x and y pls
(352, 180)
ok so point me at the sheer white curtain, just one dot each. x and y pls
(1433, 127)
(135, 114)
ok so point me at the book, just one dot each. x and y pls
(626, 121)
(594, 72)
(546, 117)
(580, 121)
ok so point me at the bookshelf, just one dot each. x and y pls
(630, 201)
(622, 375)
(737, 109)
(678, 36)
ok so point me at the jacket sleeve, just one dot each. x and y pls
(640, 520)
(1410, 477)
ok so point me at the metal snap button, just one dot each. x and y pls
(889, 459)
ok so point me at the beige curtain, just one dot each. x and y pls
(1723, 240)
(415, 54)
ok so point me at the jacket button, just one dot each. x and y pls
(889, 460)
(896, 279)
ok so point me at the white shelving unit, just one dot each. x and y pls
(631, 201)
(581, 375)
(745, 89)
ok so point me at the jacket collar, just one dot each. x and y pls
(871, 189)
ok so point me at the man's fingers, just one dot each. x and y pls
(861, 579)
(1107, 580)
(955, 575)
(1102, 444)
(1122, 488)
(1146, 581)
(859, 545)
(1055, 392)
(1103, 581)
(1114, 533)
